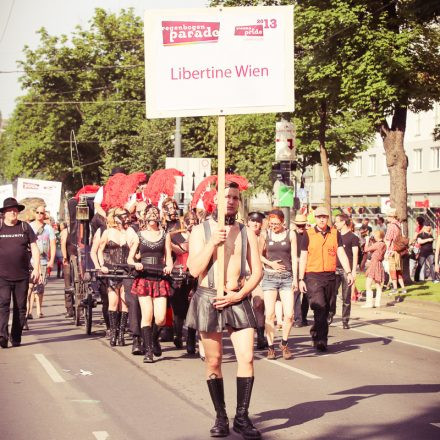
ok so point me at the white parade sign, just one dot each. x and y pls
(219, 61)
(5, 192)
(48, 190)
(284, 141)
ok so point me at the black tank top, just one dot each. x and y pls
(279, 250)
(152, 248)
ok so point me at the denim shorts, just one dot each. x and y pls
(280, 281)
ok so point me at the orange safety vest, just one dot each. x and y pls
(322, 251)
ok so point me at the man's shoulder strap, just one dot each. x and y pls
(207, 229)
(24, 225)
(244, 242)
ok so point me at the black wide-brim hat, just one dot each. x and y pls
(10, 202)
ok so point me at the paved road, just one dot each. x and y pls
(379, 380)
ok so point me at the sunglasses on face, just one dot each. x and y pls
(40, 212)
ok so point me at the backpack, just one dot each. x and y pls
(24, 225)
(401, 244)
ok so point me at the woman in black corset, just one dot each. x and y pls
(154, 247)
(113, 250)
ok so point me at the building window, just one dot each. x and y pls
(436, 158)
(384, 165)
(417, 165)
(372, 165)
(358, 166)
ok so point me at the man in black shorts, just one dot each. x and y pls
(17, 244)
(210, 313)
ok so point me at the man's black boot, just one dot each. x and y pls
(191, 341)
(167, 334)
(157, 349)
(114, 318)
(178, 328)
(122, 326)
(261, 340)
(221, 425)
(137, 348)
(242, 423)
(68, 301)
(148, 344)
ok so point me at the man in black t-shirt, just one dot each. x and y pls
(16, 238)
(426, 254)
(350, 243)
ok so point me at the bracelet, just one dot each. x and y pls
(301, 279)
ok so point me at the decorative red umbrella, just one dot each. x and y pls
(206, 190)
(119, 187)
(87, 189)
(161, 182)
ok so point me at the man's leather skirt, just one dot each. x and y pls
(203, 316)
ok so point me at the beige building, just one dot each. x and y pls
(365, 186)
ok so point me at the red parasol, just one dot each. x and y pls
(206, 190)
(161, 182)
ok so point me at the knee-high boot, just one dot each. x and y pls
(178, 327)
(122, 326)
(68, 301)
(242, 423)
(148, 344)
(261, 340)
(191, 341)
(157, 349)
(114, 318)
(221, 425)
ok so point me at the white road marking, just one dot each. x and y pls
(289, 367)
(85, 400)
(50, 369)
(437, 425)
(396, 340)
(101, 435)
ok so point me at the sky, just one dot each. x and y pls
(20, 20)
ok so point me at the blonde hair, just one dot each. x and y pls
(378, 234)
(112, 213)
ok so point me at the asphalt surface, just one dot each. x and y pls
(378, 380)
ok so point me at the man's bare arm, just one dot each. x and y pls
(254, 261)
(355, 250)
(200, 253)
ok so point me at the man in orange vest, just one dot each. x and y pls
(320, 249)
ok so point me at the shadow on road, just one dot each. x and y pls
(309, 411)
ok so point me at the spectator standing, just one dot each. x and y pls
(350, 243)
(46, 242)
(425, 240)
(317, 272)
(392, 236)
(375, 273)
(16, 238)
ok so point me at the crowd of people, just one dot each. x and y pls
(274, 272)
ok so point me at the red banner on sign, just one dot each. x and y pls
(253, 30)
(185, 32)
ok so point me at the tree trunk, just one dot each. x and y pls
(324, 157)
(397, 163)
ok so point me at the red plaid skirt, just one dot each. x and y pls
(153, 288)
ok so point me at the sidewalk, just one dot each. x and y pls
(410, 322)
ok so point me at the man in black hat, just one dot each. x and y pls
(16, 237)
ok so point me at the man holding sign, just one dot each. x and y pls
(210, 312)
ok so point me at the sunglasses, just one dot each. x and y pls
(40, 212)
(300, 226)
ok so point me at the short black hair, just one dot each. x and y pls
(232, 185)
(256, 216)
